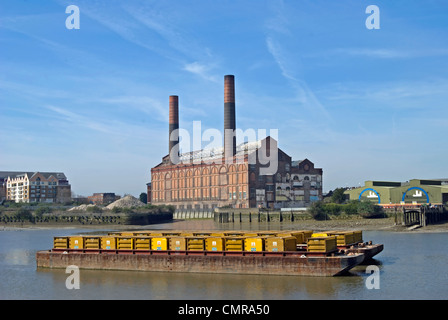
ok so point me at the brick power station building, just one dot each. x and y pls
(250, 175)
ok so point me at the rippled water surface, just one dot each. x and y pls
(412, 266)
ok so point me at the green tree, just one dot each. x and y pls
(351, 207)
(338, 195)
(41, 210)
(24, 214)
(367, 209)
(144, 197)
(332, 208)
(317, 211)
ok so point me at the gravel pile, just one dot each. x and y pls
(82, 207)
(126, 202)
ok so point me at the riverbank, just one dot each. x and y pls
(383, 224)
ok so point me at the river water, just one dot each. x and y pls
(412, 266)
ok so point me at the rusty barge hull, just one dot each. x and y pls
(369, 251)
(279, 263)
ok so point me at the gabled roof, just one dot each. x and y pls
(57, 175)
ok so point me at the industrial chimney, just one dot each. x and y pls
(173, 151)
(229, 117)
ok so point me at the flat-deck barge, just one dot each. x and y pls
(318, 257)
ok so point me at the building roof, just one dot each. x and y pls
(211, 154)
(218, 153)
(57, 175)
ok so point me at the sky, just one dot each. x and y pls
(361, 103)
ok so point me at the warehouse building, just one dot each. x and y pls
(252, 174)
(415, 191)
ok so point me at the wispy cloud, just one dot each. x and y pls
(75, 119)
(200, 70)
(151, 27)
(384, 53)
(289, 69)
(143, 104)
(389, 92)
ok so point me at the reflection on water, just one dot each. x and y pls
(412, 266)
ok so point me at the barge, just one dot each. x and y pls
(296, 253)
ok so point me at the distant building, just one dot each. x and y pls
(103, 198)
(415, 191)
(49, 187)
(233, 175)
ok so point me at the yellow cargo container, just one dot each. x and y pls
(177, 243)
(76, 242)
(108, 243)
(254, 244)
(125, 243)
(319, 235)
(214, 244)
(195, 243)
(357, 236)
(159, 243)
(142, 243)
(60, 243)
(234, 243)
(306, 234)
(91, 242)
(322, 244)
(343, 238)
(285, 243)
(299, 235)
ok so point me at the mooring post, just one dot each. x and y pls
(403, 220)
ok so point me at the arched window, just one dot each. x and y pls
(279, 177)
(214, 177)
(232, 175)
(222, 176)
(189, 181)
(205, 178)
(168, 181)
(197, 178)
(252, 177)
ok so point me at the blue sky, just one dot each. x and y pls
(93, 103)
